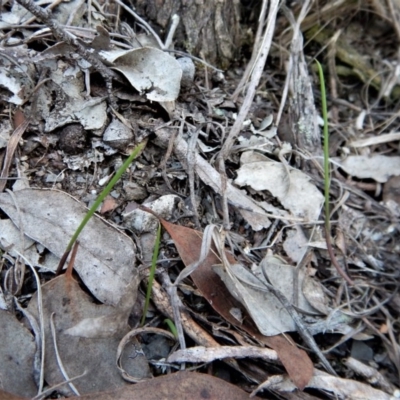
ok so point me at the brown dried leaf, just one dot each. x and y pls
(188, 243)
(109, 204)
(181, 385)
(19, 118)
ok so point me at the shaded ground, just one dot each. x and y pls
(251, 180)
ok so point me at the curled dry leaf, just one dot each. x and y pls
(271, 317)
(149, 70)
(247, 287)
(127, 339)
(292, 187)
(106, 257)
(377, 166)
(66, 84)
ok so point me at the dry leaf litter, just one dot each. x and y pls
(260, 293)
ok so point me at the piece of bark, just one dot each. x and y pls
(304, 116)
(208, 29)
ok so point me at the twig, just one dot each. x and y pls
(255, 79)
(259, 65)
(327, 178)
(51, 6)
(334, 261)
(142, 21)
(152, 273)
(254, 55)
(175, 22)
(200, 60)
(58, 357)
(41, 320)
(191, 161)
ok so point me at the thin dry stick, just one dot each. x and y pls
(306, 258)
(301, 328)
(176, 305)
(393, 14)
(62, 35)
(38, 367)
(59, 361)
(191, 162)
(255, 79)
(200, 60)
(74, 11)
(142, 21)
(51, 6)
(41, 320)
(51, 389)
(164, 160)
(175, 22)
(256, 46)
(192, 329)
(335, 263)
(248, 100)
(19, 273)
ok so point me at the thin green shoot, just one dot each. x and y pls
(98, 201)
(104, 193)
(171, 327)
(327, 180)
(152, 273)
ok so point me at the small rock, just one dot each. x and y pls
(158, 348)
(72, 138)
(133, 191)
(188, 70)
(118, 135)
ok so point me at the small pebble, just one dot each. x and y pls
(117, 135)
(72, 138)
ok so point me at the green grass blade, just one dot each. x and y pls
(152, 273)
(104, 193)
(171, 327)
(327, 180)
